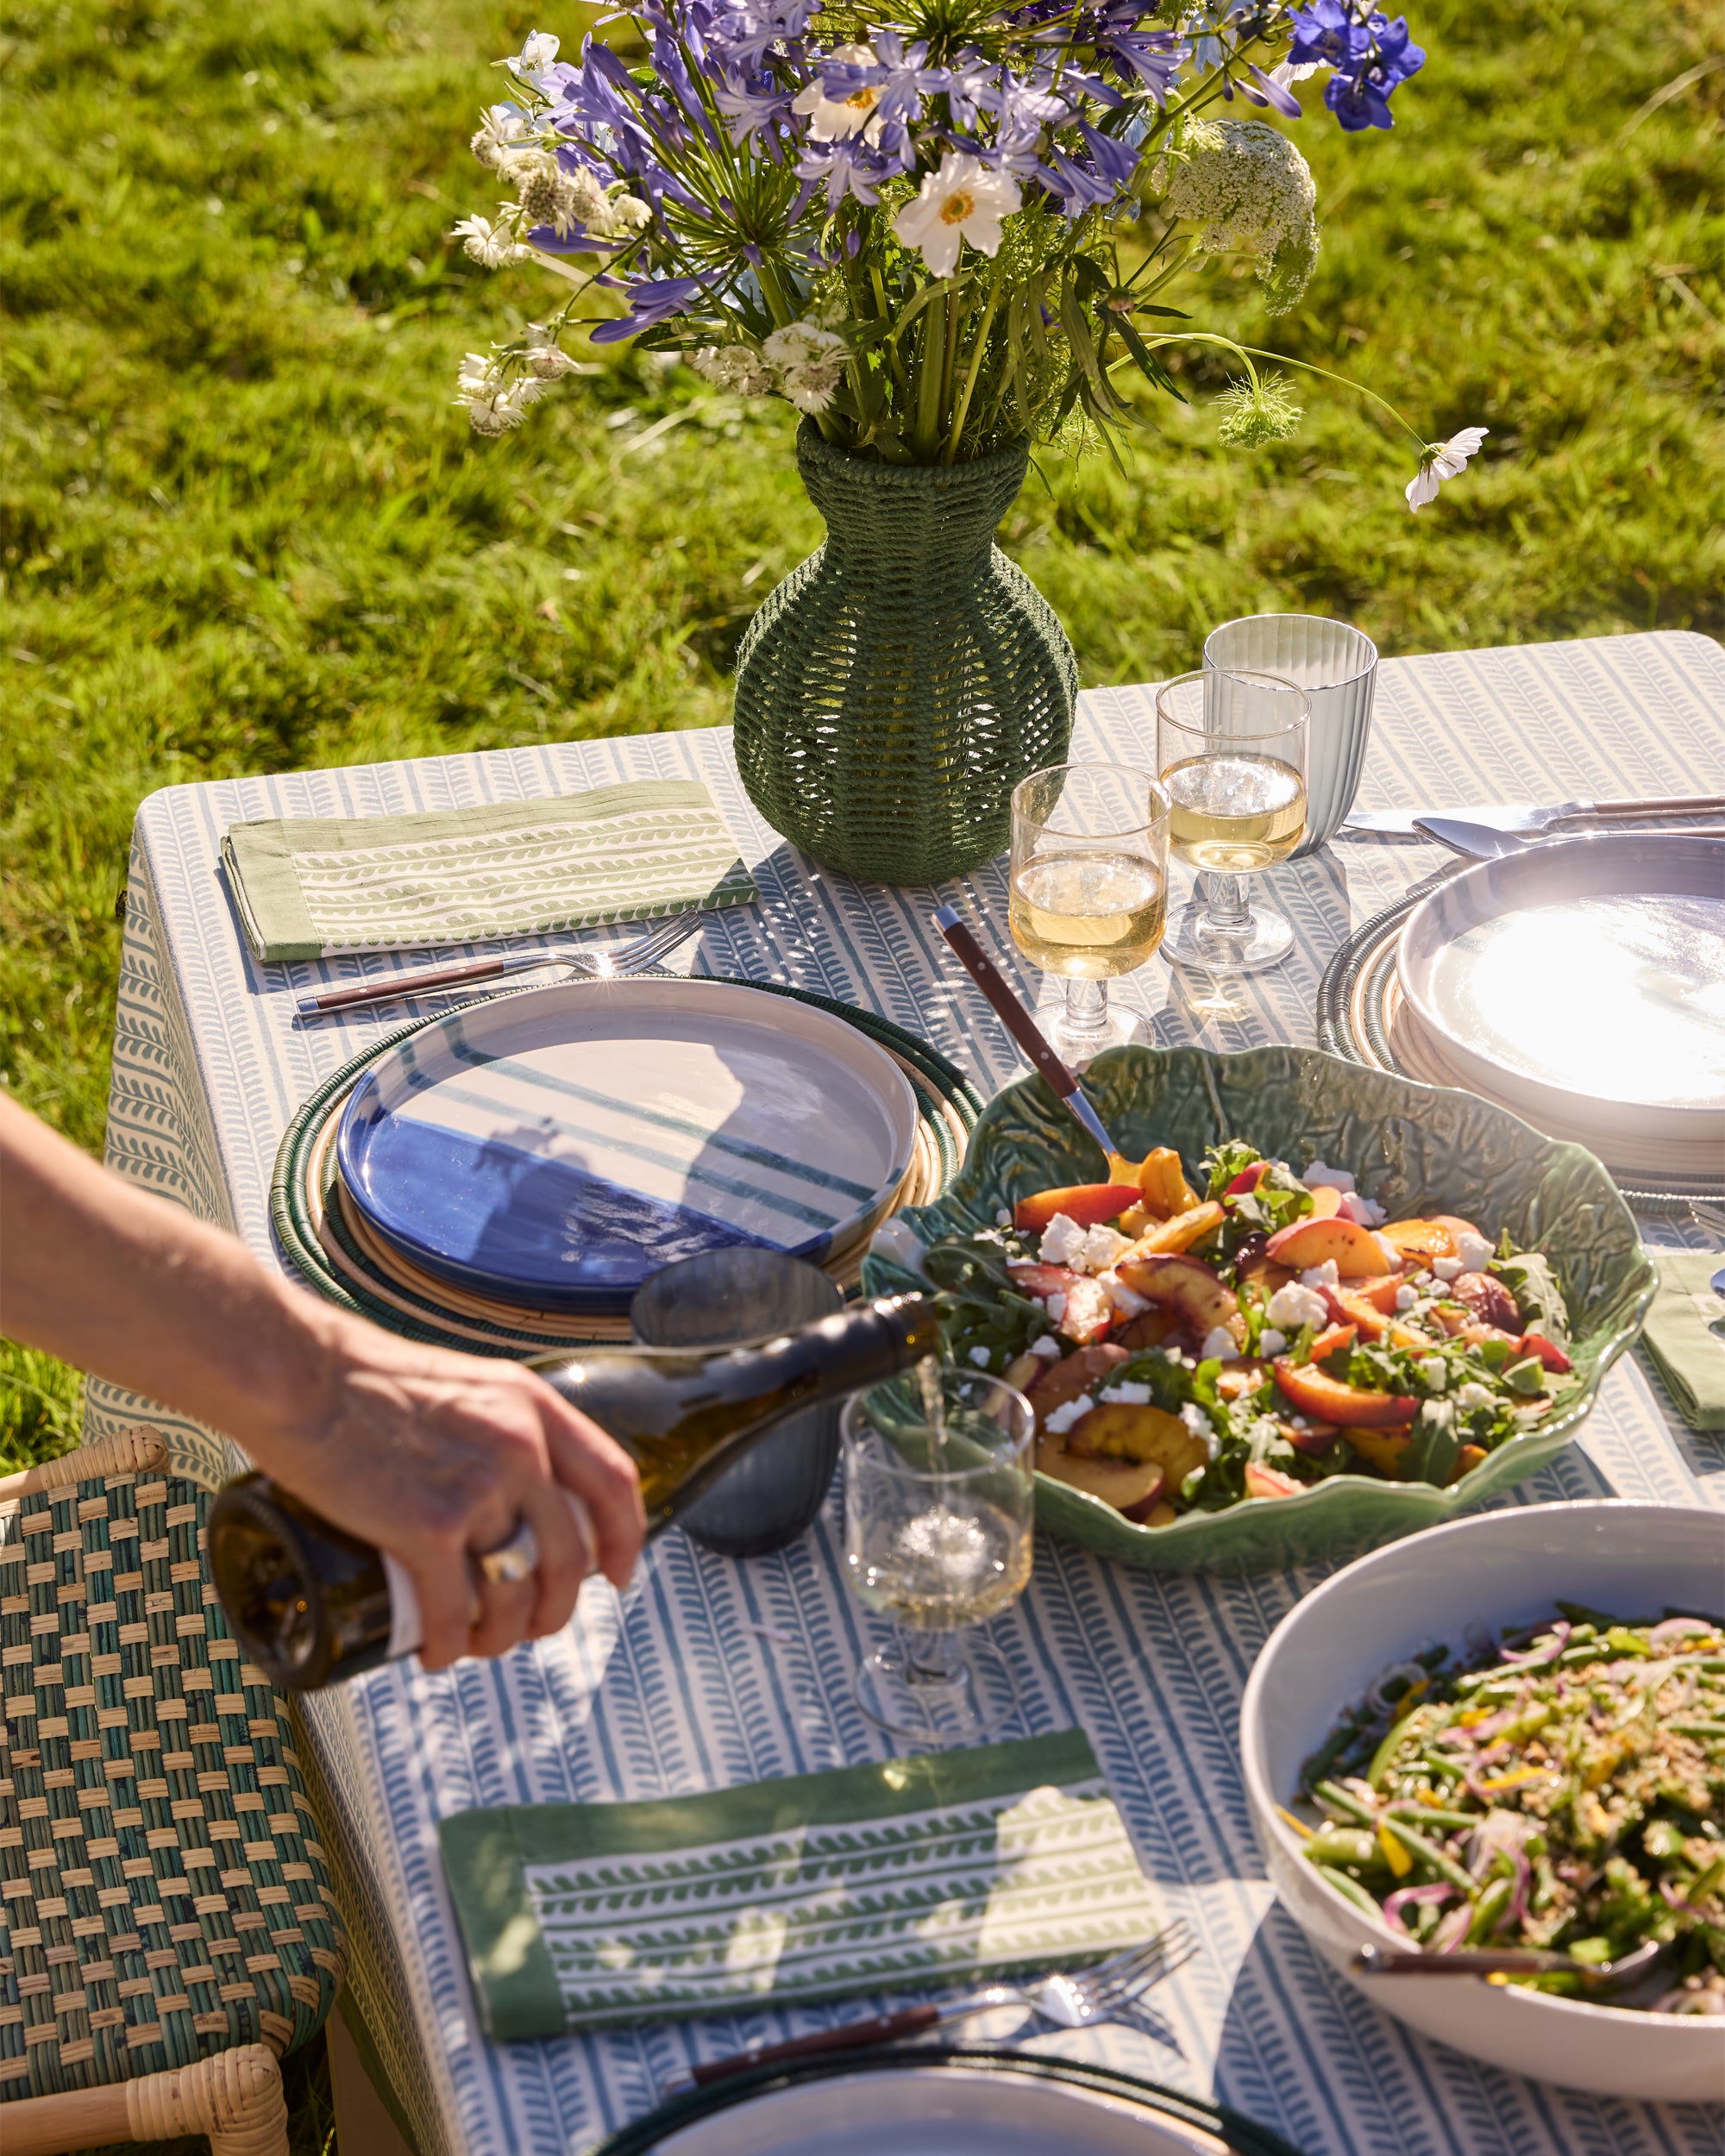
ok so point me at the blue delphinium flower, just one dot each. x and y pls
(1368, 54)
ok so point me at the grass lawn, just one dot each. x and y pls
(241, 529)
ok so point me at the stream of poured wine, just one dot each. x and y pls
(929, 1382)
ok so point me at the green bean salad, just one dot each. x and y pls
(1563, 1789)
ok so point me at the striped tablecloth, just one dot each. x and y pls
(711, 1673)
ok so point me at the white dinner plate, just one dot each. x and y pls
(1581, 983)
(555, 1148)
(957, 2111)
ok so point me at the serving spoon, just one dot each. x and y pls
(1514, 1961)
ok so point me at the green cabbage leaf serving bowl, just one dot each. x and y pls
(1416, 1150)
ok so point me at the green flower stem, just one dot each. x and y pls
(982, 335)
(926, 434)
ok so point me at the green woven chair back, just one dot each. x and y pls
(162, 1892)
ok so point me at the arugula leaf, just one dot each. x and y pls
(1221, 1163)
(1431, 1456)
(1528, 1276)
(1279, 1200)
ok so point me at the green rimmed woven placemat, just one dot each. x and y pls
(945, 1097)
(940, 1868)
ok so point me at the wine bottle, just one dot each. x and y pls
(311, 1604)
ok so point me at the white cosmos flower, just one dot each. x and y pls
(963, 201)
(833, 119)
(1444, 461)
(534, 57)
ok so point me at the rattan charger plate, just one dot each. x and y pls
(345, 1260)
(1363, 1015)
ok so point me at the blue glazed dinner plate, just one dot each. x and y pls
(553, 1149)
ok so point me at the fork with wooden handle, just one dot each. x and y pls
(1070, 2000)
(600, 962)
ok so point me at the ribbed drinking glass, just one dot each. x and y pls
(1337, 666)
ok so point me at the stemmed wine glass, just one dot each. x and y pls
(937, 1516)
(1088, 890)
(1231, 746)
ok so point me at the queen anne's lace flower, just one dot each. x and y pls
(963, 201)
(1252, 193)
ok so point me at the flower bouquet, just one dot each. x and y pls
(942, 230)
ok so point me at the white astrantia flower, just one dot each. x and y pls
(490, 245)
(547, 360)
(1442, 460)
(963, 201)
(1252, 193)
(836, 119)
(492, 405)
(801, 344)
(812, 388)
(737, 369)
(498, 133)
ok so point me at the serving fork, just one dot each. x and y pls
(598, 961)
(1069, 1999)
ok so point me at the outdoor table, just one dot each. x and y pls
(711, 1673)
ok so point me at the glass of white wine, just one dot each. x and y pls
(1088, 891)
(937, 1515)
(1231, 746)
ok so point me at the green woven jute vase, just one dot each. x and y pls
(893, 691)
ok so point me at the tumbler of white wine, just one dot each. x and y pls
(1088, 890)
(937, 1520)
(1232, 750)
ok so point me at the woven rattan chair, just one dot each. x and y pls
(166, 1928)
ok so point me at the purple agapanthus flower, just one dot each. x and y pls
(845, 167)
(1078, 187)
(651, 301)
(899, 74)
(745, 31)
(1152, 58)
(755, 105)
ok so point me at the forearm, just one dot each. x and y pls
(117, 1281)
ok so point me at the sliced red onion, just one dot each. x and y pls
(1439, 1890)
(1452, 1930)
(1672, 1629)
(1534, 1657)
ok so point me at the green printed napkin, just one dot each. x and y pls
(314, 888)
(928, 1870)
(1685, 1336)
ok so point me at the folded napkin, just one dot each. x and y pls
(314, 888)
(1684, 1336)
(930, 1870)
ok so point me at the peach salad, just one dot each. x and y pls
(1189, 1346)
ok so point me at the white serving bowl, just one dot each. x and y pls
(1498, 1570)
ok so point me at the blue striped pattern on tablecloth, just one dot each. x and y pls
(713, 1673)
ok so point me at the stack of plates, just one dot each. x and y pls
(1579, 983)
(508, 1174)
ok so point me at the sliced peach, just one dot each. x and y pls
(1270, 1482)
(1332, 1340)
(1467, 1459)
(1316, 1241)
(1117, 1432)
(1257, 1270)
(1079, 1372)
(1161, 1515)
(1547, 1350)
(1152, 1328)
(1381, 1450)
(1326, 1203)
(1186, 1286)
(1247, 1179)
(1458, 1227)
(1346, 1305)
(1125, 1485)
(1235, 1380)
(1488, 1300)
(1420, 1241)
(1180, 1233)
(1086, 1203)
(1087, 1313)
(1316, 1438)
(1326, 1399)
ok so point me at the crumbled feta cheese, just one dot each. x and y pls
(1406, 1297)
(1002, 1218)
(1055, 1306)
(1434, 1370)
(1063, 1242)
(1364, 1213)
(1048, 1347)
(1446, 1267)
(1102, 1246)
(1201, 1427)
(1126, 1396)
(1218, 1341)
(1322, 1275)
(1127, 1301)
(1170, 1354)
(1474, 1251)
(1291, 1307)
(896, 1241)
(1063, 1418)
(1389, 1250)
(1472, 1395)
(978, 1355)
(1271, 1342)
(1318, 1178)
